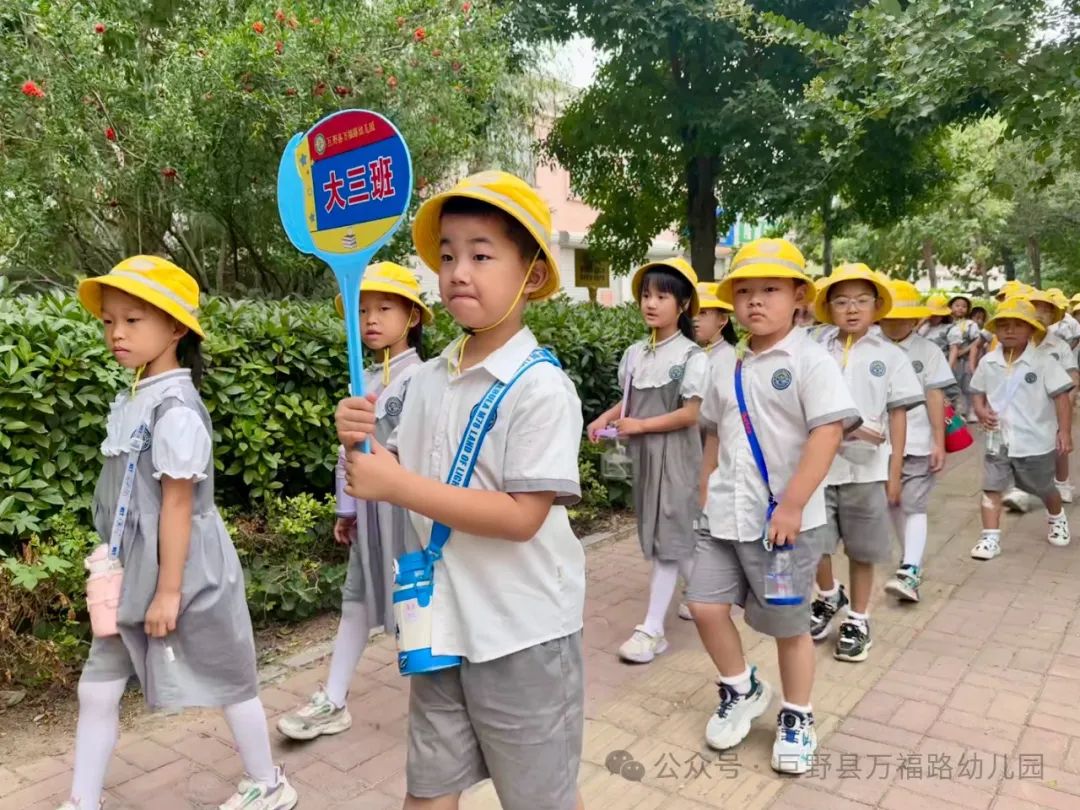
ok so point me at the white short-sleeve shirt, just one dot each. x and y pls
(1057, 347)
(673, 358)
(963, 333)
(493, 596)
(938, 335)
(880, 377)
(933, 372)
(1068, 328)
(790, 389)
(1022, 394)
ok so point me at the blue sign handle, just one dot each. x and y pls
(350, 274)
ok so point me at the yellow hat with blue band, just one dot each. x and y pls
(1045, 297)
(852, 272)
(766, 258)
(906, 302)
(502, 190)
(387, 277)
(1019, 309)
(152, 279)
(680, 267)
(708, 299)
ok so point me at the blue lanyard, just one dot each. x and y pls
(481, 422)
(755, 445)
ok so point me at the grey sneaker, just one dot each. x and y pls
(731, 721)
(252, 795)
(905, 583)
(316, 717)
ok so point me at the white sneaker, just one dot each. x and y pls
(642, 647)
(1065, 490)
(796, 742)
(252, 795)
(1059, 533)
(316, 717)
(731, 721)
(684, 612)
(71, 804)
(1016, 500)
(986, 549)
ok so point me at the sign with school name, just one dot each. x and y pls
(591, 272)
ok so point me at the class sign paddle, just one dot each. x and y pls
(343, 189)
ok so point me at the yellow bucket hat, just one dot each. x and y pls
(509, 194)
(1034, 296)
(906, 302)
(1019, 309)
(387, 277)
(1011, 289)
(681, 267)
(152, 279)
(708, 299)
(766, 258)
(938, 303)
(852, 272)
(1060, 299)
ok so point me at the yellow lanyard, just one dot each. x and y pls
(847, 351)
(138, 376)
(386, 351)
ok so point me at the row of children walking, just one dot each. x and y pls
(779, 442)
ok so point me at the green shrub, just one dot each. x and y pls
(274, 373)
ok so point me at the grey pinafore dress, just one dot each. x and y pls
(666, 465)
(968, 333)
(380, 527)
(209, 660)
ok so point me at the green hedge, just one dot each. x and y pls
(275, 371)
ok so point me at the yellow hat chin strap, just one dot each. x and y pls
(513, 305)
(138, 376)
(386, 350)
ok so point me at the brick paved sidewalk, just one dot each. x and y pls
(966, 701)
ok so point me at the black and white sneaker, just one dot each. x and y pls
(822, 612)
(796, 742)
(854, 642)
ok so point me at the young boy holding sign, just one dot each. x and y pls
(509, 587)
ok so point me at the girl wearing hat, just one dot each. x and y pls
(665, 376)
(181, 622)
(936, 326)
(392, 317)
(963, 340)
(713, 329)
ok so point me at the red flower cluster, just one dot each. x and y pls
(258, 27)
(99, 28)
(466, 7)
(342, 90)
(110, 134)
(419, 34)
(279, 46)
(392, 81)
(169, 173)
(279, 15)
(32, 89)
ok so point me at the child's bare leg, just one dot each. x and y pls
(825, 578)
(862, 585)
(720, 637)
(1053, 503)
(796, 657)
(991, 510)
(447, 802)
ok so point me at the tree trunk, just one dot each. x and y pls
(1035, 258)
(701, 215)
(827, 236)
(1009, 263)
(929, 261)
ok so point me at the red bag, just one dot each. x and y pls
(957, 436)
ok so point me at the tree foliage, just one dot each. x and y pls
(156, 126)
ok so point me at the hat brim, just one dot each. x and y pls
(639, 274)
(902, 313)
(1038, 325)
(823, 312)
(426, 316)
(764, 269)
(722, 305)
(427, 237)
(91, 292)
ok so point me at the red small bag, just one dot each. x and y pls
(957, 436)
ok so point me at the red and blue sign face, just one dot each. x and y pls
(355, 180)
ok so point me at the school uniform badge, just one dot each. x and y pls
(1030, 377)
(781, 379)
(917, 365)
(877, 368)
(677, 372)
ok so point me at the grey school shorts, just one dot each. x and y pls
(859, 515)
(1034, 474)
(518, 719)
(916, 481)
(727, 572)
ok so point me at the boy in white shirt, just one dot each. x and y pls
(924, 451)
(866, 475)
(1021, 399)
(796, 408)
(509, 586)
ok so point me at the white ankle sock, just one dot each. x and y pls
(247, 721)
(95, 738)
(830, 593)
(349, 645)
(795, 707)
(1058, 518)
(862, 618)
(665, 575)
(740, 683)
